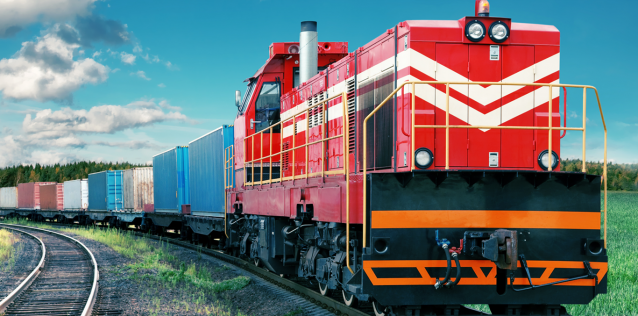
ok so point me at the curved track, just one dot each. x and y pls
(64, 283)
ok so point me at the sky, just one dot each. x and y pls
(115, 80)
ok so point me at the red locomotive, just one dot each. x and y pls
(417, 172)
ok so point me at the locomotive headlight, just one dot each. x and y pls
(423, 158)
(543, 160)
(499, 32)
(475, 31)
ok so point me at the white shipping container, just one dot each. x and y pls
(76, 194)
(9, 198)
(138, 188)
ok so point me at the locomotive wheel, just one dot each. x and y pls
(379, 310)
(349, 299)
(323, 289)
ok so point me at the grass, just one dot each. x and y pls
(7, 249)
(156, 267)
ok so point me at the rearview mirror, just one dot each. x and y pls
(237, 98)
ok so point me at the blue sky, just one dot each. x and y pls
(133, 78)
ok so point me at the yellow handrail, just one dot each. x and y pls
(229, 156)
(447, 127)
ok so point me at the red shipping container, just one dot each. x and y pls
(149, 208)
(29, 195)
(52, 197)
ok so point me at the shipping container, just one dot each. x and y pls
(138, 188)
(206, 163)
(29, 195)
(76, 194)
(52, 197)
(170, 177)
(105, 191)
(9, 198)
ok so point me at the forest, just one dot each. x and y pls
(11, 176)
(622, 177)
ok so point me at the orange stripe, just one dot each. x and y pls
(485, 219)
(481, 278)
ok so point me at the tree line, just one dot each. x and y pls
(11, 176)
(621, 177)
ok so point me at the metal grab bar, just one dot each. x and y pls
(447, 127)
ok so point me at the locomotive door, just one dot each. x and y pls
(517, 146)
(484, 104)
(263, 112)
(452, 65)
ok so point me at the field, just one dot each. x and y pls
(7, 249)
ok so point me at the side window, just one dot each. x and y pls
(267, 107)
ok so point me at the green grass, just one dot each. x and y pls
(7, 249)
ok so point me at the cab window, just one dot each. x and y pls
(267, 107)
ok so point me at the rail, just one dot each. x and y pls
(29, 279)
(323, 172)
(88, 307)
(447, 127)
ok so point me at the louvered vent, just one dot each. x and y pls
(286, 156)
(316, 114)
(350, 85)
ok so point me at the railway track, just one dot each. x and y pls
(65, 282)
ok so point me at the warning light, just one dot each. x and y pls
(482, 8)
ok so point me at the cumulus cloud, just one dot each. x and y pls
(50, 136)
(17, 14)
(95, 28)
(140, 74)
(128, 58)
(170, 66)
(46, 70)
(134, 144)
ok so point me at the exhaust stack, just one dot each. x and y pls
(308, 43)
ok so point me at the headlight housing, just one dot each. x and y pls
(543, 160)
(423, 158)
(499, 32)
(475, 30)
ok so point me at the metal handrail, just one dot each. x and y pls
(346, 165)
(229, 162)
(447, 127)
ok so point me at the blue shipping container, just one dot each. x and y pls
(170, 178)
(105, 191)
(206, 159)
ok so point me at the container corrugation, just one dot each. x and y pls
(29, 195)
(9, 198)
(138, 188)
(171, 180)
(206, 162)
(76, 194)
(52, 197)
(105, 191)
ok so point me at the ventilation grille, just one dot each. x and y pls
(316, 114)
(286, 156)
(350, 88)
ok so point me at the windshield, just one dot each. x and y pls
(247, 95)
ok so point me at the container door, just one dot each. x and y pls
(484, 105)
(517, 146)
(452, 65)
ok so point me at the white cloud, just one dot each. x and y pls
(115, 70)
(170, 66)
(161, 85)
(137, 49)
(128, 58)
(45, 70)
(17, 14)
(96, 54)
(167, 106)
(140, 74)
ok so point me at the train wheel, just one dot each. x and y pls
(323, 289)
(379, 310)
(257, 262)
(349, 299)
